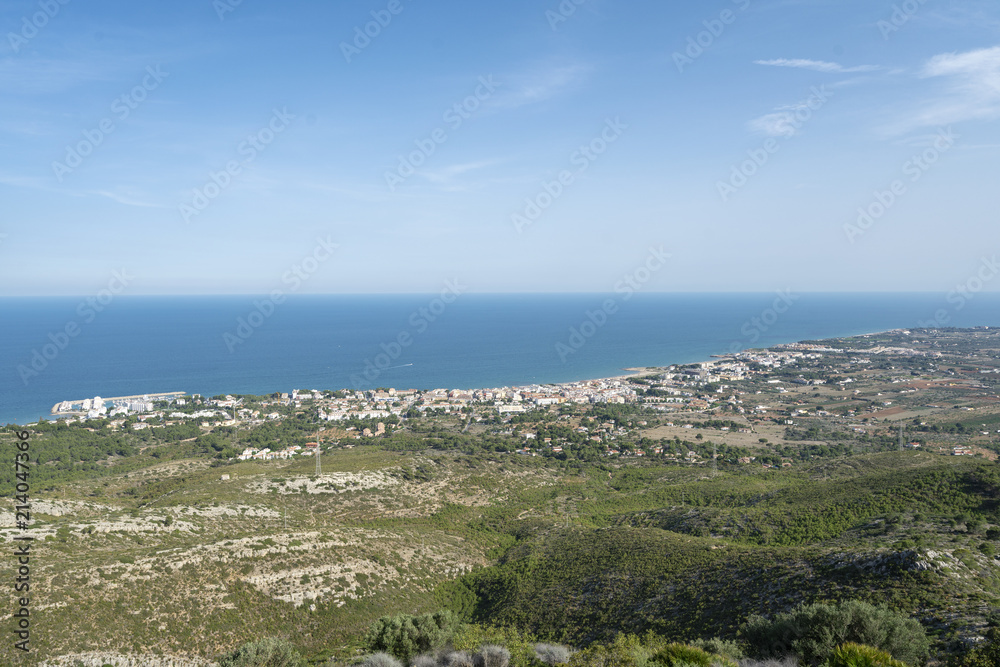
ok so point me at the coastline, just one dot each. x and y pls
(248, 385)
(631, 372)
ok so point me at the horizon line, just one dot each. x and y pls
(481, 293)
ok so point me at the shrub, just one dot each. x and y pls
(857, 655)
(683, 655)
(553, 654)
(491, 655)
(813, 631)
(602, 655)
(984, 655)
(724, 647)
(521, 645)
(425, 660)
(457, 659)
(790, 661)
(270, 652)
(405, 636)
(380, 660)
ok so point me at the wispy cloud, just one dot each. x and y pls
(970, 90)
(542, 83)
(787, 121)
(982, 66)
(125, 200)
(447, 174)
(43, 76)
(779, 124)
(125, 196)
(816, 65)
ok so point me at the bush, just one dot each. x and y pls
(682, 655)
(602, 655)
(405, 636)
(425, 660)
(491, 655)
(984, 655)
(789, 661)
(857, 655)
(520, 645)
(270, 652)
(458, 659)
(724, 647)
(553, 654)
(380, 660)
(813, 631)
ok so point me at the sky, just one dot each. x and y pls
(391, 146)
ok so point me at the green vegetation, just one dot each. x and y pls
(622, 541)
(858, 655)
(813, 631)
(264, 653)
(408, 636)
(681, 655)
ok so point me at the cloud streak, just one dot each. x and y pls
(970, 90)
(539, 85)
(815, 65)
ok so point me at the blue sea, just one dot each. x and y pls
(55, 349)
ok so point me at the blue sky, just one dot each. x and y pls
(743, 138)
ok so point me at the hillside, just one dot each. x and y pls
(882, 528)
(572, 521)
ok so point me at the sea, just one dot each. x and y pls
(67, 349)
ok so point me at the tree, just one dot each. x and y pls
(405, 636)
(813, 631)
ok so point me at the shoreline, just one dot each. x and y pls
(629, 372)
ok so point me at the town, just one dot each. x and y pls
(866, 392)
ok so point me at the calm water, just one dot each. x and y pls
(143, 345)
